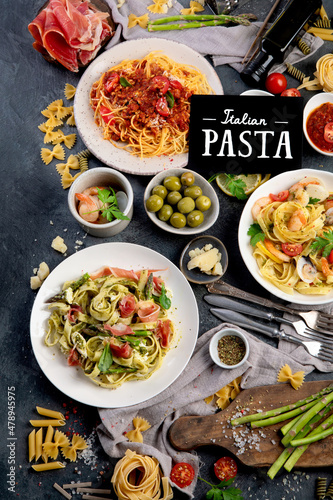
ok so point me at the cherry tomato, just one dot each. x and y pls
(328, 132)
(291, 93)
(276, 83)
(281, 196)
(175, 84)
(161, 83)
(111, 82)
(330, 257)
(106, 114)
(182, 474)
(292, 249)
(162, 107)
(225, 468)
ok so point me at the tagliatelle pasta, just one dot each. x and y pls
(114, 325)
(152, 485)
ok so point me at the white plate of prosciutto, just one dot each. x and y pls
(70, 378)
(148, 138)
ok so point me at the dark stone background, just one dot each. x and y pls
(32, 197)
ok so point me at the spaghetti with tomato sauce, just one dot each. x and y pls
(145, 104)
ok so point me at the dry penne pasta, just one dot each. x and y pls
(39, 442)
(46, 423)
(48, 439)
(48, 466)
(32, 445)
(50, 413)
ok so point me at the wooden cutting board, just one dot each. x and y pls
(190, 432)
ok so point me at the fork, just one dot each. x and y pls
(299, 325)
(314, 347)
(316, 320)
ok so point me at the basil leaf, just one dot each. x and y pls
(106, 360)
(124, 82)
(164, 299)
(170, 99)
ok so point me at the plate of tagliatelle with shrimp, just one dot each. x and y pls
(110, 326)
(286, 236)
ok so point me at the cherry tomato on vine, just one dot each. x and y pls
(225, 468)
(292, 249)
(182, 474)
(276, 83)
(281, 196)
(291, 93)
(328, 132)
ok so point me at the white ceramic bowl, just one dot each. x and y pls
(256, 92)
(101, 176)
(275, 185)
(215, 340)
(210, 215)
(315, 101)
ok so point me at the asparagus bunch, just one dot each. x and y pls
(299, 432)
(198, 21)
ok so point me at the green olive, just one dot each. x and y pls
(154, 203)
(203, 203)
(172, 183)
(165, 213)
(195, 218)
(174, 197)
(193, 192)
(178, 220)
(187, 179)
(186, 205)
(160, 191)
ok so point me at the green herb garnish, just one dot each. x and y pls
(106, 360)
(236, 187)
(313, 201)
(109, 209)
(324, 243)
(222, 491)
(256, 234)
(170, 99)
(124, 83)
(163, 299)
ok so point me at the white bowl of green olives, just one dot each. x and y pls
(181, 201)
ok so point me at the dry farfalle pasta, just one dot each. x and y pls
(69, 140)
(194, 7)
(71, 119)
(51, 448)
(67, 179)
(140, 425)
(69, 91)
(78, 443)
(142, 21)
(52, 120)
(48, 154)
(159, 7)
(286, 375)
(224, 396)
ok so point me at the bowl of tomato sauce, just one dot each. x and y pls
(318, 123)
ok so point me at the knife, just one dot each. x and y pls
(300, 326)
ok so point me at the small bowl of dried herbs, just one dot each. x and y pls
(229, 348)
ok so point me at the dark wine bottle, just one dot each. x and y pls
(278, 38)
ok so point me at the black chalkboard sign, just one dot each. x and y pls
(245, 134)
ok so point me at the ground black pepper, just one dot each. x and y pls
(231, 349)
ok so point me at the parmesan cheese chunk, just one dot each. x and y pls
(206, 259)
(35, 282)
(43, 271)
(59, 244)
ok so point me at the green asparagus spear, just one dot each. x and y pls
(284, 416)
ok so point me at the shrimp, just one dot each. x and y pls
(277, 253)
(259, 205)
(298, 192)
(88, 207)
(297, 220)
(329, 217)
(327, 271)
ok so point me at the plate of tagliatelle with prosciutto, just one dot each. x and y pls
(110, 326)
(286, 236)
(132, 104)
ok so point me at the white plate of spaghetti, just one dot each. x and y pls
(132, 104)
(102, 354)
(284, 236)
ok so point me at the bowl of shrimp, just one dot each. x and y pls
(282, 236)
(101, 201)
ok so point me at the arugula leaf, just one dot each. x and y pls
(256, 234)
(170, 99)
(236, 187)
(124, 83)
(106, 360)
(324, 243)
(313, 201)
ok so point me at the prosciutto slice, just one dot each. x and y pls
(70, 32)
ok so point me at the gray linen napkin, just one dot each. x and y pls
(226, 45)
(200, 379)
